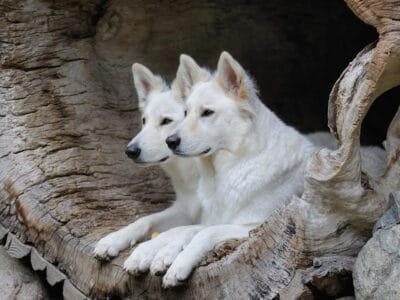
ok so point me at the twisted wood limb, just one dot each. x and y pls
(65, 181)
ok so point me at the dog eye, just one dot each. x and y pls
(185, 113)
(207, 112)
(144, 121)
(165, 121)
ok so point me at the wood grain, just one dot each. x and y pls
(65, 181)
(15, 248)
(19, 250)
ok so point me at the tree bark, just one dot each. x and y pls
(66, 182)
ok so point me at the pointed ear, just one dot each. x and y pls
(232, 77)
(188, 74)
(145, 82)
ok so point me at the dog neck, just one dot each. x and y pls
(182, 172)
(267, 134)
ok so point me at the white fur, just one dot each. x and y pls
(255, 161)
(250, 161)
(157, 254)
(201, 244)
(245, 164)
(156, 102)
(322, 139)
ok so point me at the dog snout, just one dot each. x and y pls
(173, 141)
(133, 151)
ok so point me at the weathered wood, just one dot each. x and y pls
(392, 146)
(53, 275)
(72, 293)
(65, 181)
(338, 188)
(3, 234)
(329, 275)
(15, 248)
(18, 281)
(38, 263)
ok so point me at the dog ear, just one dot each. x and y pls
(232, 77)
(145, 82)
(188, 74)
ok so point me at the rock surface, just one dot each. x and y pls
(17, 281)
(377, 268)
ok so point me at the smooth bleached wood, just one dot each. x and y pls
(15, 248)
(65, 181)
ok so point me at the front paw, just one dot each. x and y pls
(111, 245)
(176, 274)
(164, 258)
(140, 259)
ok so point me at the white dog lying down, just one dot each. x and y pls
(248, 163)
(161, 114)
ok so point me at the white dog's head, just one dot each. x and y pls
(161, 114)
(219, 111)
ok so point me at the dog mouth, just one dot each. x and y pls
(163, 159)
(183, 154)
(155, 162)
(206, 151)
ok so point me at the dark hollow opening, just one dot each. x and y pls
(294, 50)
(377, 121)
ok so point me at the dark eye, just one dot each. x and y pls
(207, 112)
(144, 121)
(165, 121)
(185, 113)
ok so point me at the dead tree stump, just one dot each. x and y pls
(65, 181)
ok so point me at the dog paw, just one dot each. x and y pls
(164, 259)
(176, 275)
(111, 245)
(140, 260)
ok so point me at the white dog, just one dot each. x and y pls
(161, 114)
(250, 161)
(248, 164)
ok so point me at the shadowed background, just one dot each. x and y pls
(294, 50)
(68, 106)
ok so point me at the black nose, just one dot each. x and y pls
(173, 141)
(133, 151)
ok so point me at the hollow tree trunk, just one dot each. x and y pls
(66, 183)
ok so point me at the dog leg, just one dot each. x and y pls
(144, 254)
(165, 257)
(112, 244)
(198, 248)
